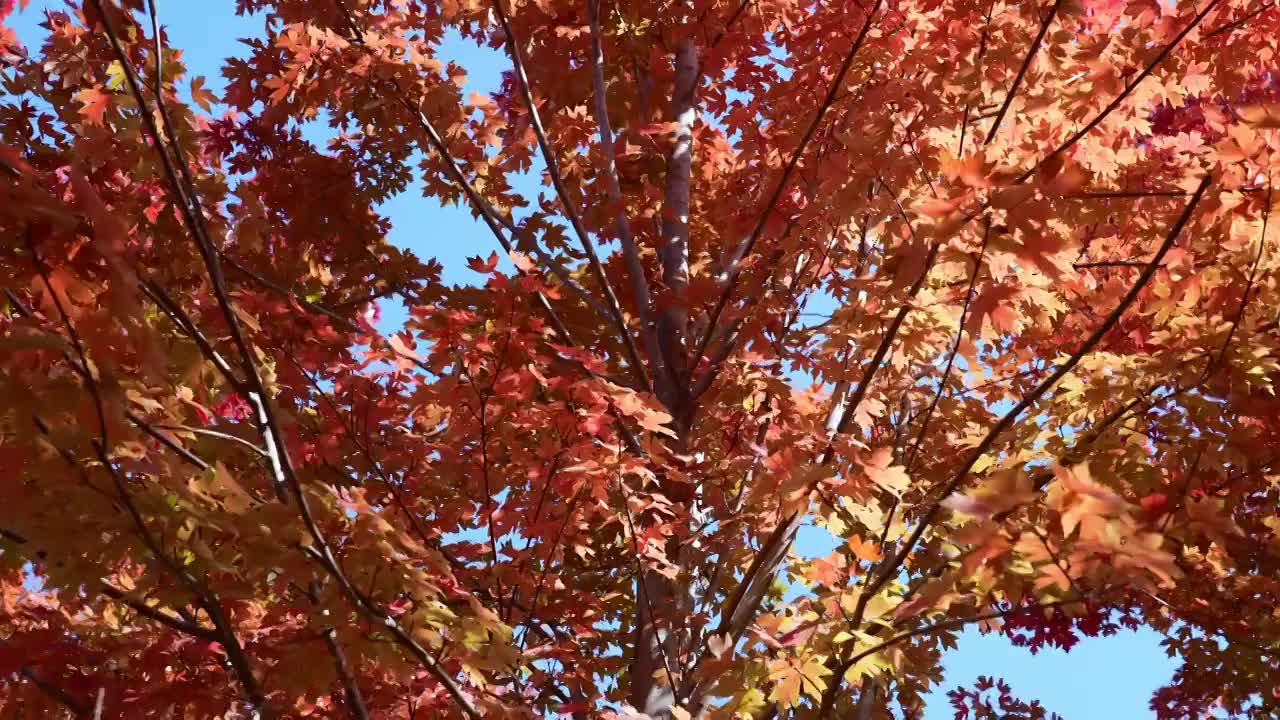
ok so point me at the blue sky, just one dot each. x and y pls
(1100, 679)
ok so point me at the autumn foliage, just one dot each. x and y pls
(985, 290)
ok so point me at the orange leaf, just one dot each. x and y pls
(1263, 115)
(201, 95)
(95, 102)
(865, 550)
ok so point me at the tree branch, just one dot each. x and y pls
(1236, 24)
(182, 187)
(205, 597)
(1022, 71)
(1248, 288)
(733, 266)
(1031, 398)
(160, 616)
(827, 703)
(259, 452)
(1151, 66)
(55, 693)
(285, 474)
(570, 208)
(663, 382)
(673, 315)
(951, 356)
(354, 700)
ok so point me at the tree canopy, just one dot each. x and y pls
(987, 290)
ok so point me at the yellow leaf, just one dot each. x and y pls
(813, 676)
(791, 678)
(786, 683)
(881, 470)
(110, 618)
(115, 76)
(982, 463)
(999, 492)
(750, 704)
(248, 320)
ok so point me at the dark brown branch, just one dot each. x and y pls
(1022, 71)
(999, 381)
(55, 693)
(343, 322)
(352, 697)
(177, 623)
(236, 656)
(169, 442)
(21, 308)
(1115, 103)
(486, 211)
(890, 335)
(1235, 24)
(952, 624)
(1248, 288)
(733, 19)
(780, 540)
(750, 590)
(285, 475)
(640, 687)
(231, 645)
(160, 616)
(182, 320)
(365, 604)
(371, 297)
(546, 570)
(1110, 263)
(62, 697)
(492, 221)
(982, 52)
(1126, 194)
(951, 356)
(183, 189)
(331, 566)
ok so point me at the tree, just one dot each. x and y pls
(1042, 400)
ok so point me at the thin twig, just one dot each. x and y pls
(951, 356)
(570, 208)
(285, 476)
(734, 264)
(1031, 398)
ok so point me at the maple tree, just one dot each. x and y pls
(1042, 400)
